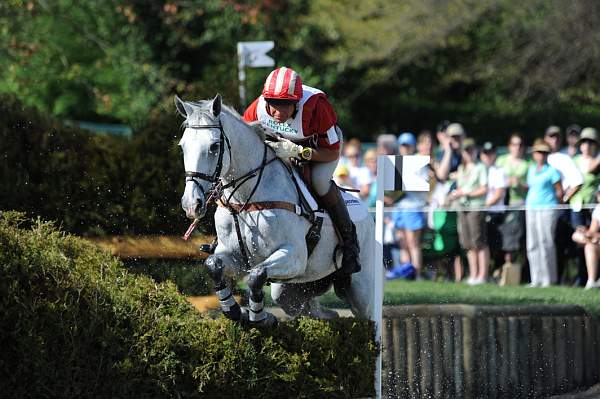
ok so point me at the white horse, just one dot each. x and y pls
(257, 234)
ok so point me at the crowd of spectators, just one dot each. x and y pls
(523, 216)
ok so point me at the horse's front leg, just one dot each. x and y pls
(270, 268)
(215, 265)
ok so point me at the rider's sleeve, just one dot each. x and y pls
(319, 118)
(250, 114)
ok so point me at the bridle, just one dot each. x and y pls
(215, 177)
(217, 187)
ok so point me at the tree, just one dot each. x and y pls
(77, 59)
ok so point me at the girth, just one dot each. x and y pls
(312, 236)
(262, 205)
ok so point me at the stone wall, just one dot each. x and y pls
(463, 351)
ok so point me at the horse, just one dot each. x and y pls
(258, 236)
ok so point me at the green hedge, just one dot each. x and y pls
(93, 184)
(189, 276)
(75, 323)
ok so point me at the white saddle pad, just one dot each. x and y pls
(356, 208)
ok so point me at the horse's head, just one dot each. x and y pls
(206, 155)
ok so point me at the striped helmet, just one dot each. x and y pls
(283, 84)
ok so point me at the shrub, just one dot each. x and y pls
(75, 323)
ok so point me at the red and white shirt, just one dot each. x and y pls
(314, 120)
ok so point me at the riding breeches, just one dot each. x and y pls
(321, 173)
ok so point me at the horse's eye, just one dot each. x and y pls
(214, 147)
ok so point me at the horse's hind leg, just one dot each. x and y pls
(301, 299)
(257, 315)
(230, 308)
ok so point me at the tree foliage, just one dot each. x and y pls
(78, 59)
(528, 63)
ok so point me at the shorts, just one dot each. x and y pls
(580, 218)
(513, 231)
(442, 240)
(409, 220)
(472, 232)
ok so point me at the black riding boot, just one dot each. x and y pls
(335, 205)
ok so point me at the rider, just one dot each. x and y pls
(305, 121)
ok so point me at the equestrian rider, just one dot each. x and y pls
(304, 120)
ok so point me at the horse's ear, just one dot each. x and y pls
(183, 109)
(216, 105)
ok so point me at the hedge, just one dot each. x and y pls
(93, 184)
(75, 323)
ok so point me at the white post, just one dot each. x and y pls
(242, 74)
(406, 173)
(378, 278)
(252, 55)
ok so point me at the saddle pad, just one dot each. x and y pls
(356, 208)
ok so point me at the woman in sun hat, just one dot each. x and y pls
(544, 193)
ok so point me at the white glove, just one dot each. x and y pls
(285, 148)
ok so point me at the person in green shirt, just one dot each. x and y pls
(515, 168)
(470, 192)
(588, 163)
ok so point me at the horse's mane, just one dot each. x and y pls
(205, 107)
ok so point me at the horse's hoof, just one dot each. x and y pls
(267, 322)
(237, 313)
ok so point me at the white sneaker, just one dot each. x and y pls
(532, 285)
(592, 284)
(479, 281)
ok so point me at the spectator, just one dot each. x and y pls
(590, 239)
(445, 165)
(387, 145)
(572, 148)
(515, 168)
(494, 200)
(409, 221)
(341, 177)
(425, 143)
(470, 193)
(571, 181)
(450, 141)
(368, 191)
(588, 163)
(359, 175)
(544, 193)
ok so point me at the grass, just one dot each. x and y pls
(401, 292)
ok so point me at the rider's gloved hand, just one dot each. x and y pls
(285, 148)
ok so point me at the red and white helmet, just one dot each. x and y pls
(283, 84)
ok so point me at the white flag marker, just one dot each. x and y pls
(394, 173)
(254, 55)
